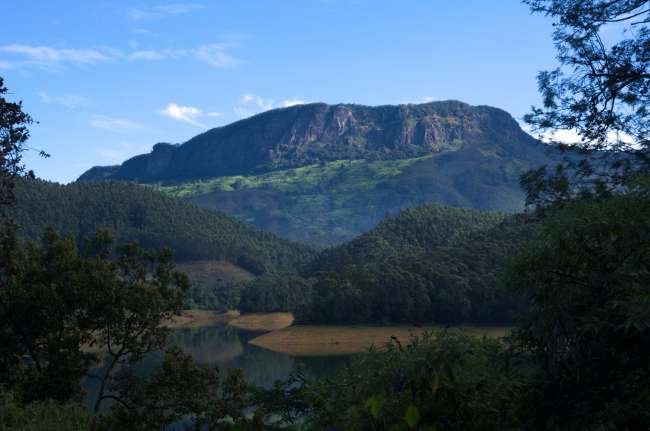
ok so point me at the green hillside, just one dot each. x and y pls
(140, 213)
(332, 202)
(403, 272)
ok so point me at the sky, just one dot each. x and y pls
(107, 79)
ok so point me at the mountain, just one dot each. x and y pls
(198, 237)
(322, 174)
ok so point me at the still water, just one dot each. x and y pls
(227, 347)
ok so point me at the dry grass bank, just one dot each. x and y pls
(263, 321)
(322, 340)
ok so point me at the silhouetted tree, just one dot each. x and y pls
(601, 91)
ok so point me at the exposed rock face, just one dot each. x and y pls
(314, 133)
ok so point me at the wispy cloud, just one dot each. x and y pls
(159, 11)
(186, 114)
(50, 56)
(70, 101)
(215, 55)
(149, 55)
(113, 124)
(250, 104)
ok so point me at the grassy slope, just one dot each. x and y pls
(333, 202)
(319, 204)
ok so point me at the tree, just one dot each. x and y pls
(179, 392)
(65, 310)
(14, 133)
(601, 91)
(589, 319)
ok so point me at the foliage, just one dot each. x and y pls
(179, 392)
(273, 293)
(43, 416)
(589, 323)
(443, 381)
(601, 91)
(57, 304)
(139, 213)
(14, 133)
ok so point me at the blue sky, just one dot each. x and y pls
(108, 79)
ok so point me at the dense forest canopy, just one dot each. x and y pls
(427, 264)
(139, 213)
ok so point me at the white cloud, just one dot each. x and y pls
(572, 137)
(114, 124)
(250, 104)
(70, 101)
(160, 11)
(417, 101)
(292, 102)
(187, 114)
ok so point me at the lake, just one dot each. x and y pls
(319, 349)
(227, 347)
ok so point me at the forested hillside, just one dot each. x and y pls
(452, 283)
(427, 264)
(413, 231)
(134, 212)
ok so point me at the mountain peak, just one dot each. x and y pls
(315, 133)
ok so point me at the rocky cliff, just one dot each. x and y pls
(317, 133)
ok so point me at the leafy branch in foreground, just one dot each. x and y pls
(601, 92)
(65, 310)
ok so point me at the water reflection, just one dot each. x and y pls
(227, 347)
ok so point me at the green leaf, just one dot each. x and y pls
(375, 403)
(412, 416)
